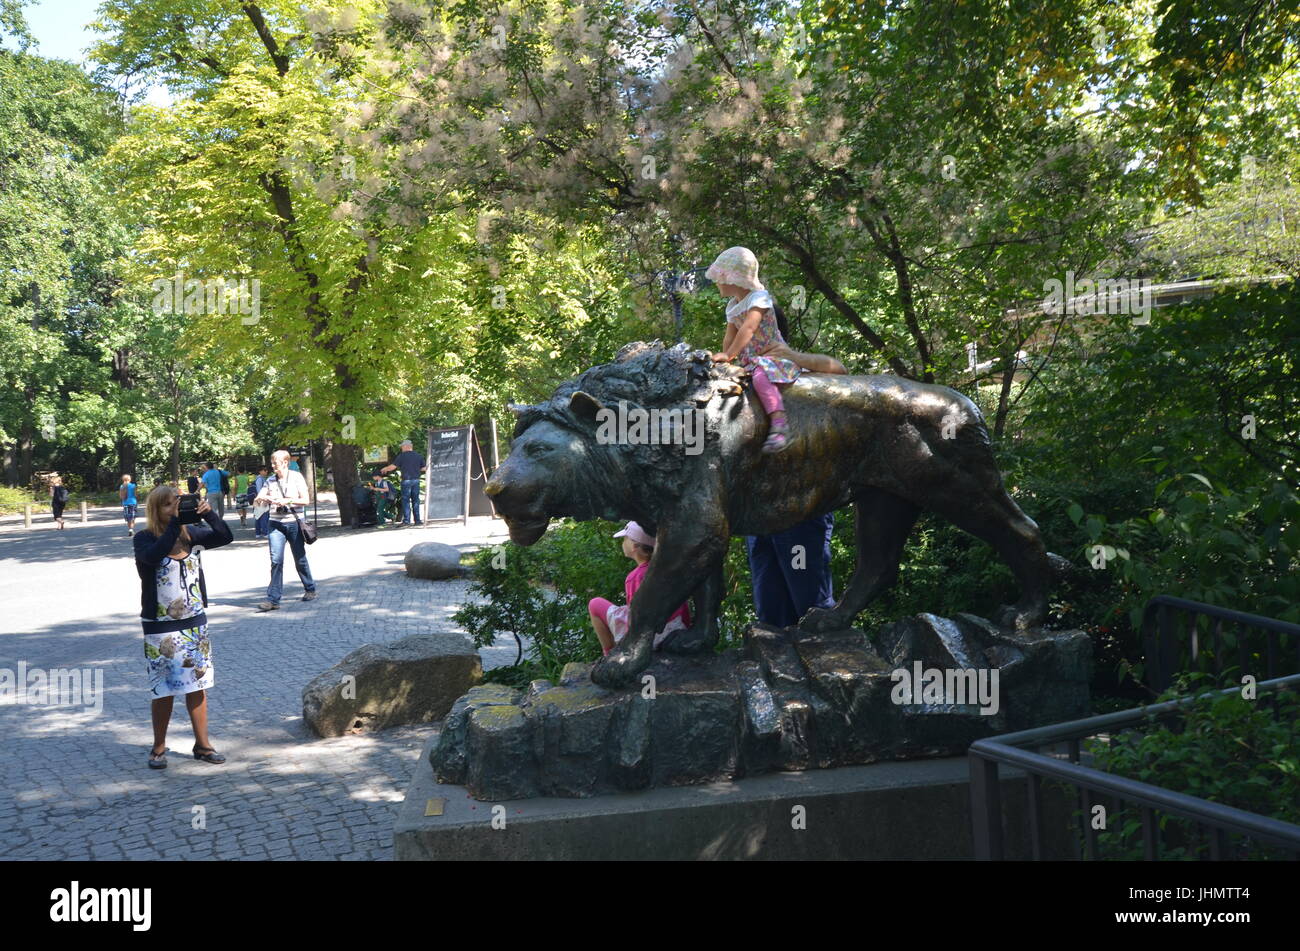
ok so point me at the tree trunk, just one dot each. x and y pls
(176, 457)
(1004, 396)
(126, 456)
(25, 437)
(343, 465)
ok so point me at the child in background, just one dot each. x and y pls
(385, 495)
(611, 620)
(242, 495)
(126, 492)
(754, 338)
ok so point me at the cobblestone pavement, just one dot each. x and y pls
(75, 784)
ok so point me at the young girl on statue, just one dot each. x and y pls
(754, 338)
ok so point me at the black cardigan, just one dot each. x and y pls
(150, 550)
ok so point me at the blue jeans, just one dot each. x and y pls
(783, 593)
(411, 501)
(281, 532)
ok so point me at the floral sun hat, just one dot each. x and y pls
(736, 266)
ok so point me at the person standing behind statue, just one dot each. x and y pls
(126, 492)
(286, 493)
(791, 571)
(411, 464)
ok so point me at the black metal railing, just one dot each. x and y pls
(1174, 641)
(1023, 750)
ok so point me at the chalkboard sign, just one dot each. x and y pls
(447, 478)
(455, 475)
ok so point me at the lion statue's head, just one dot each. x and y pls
(611, 442)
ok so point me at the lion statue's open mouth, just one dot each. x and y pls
(526, 531)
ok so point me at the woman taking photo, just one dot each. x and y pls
(173, 595)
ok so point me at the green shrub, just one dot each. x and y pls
(1225, 749)
(13, 501)
(1205, 543)
(540, 593)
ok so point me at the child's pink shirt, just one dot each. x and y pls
(633, 581)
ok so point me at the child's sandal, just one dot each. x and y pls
(777, 436)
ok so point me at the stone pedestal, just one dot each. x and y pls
(914, 810)
(922, 687)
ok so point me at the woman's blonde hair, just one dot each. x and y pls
(153, 504)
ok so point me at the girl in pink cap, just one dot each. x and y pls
(611, 620)
(754, 338)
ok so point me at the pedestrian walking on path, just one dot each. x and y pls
(58, 499)
(126, 492)
(286, 494)
(213, 485)
(173, 599)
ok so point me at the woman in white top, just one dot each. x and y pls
(286, 494)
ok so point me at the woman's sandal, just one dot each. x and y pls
(777, 436)
(211, 756)
(158, 760)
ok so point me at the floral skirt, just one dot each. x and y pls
(179, 662)
(778, 369)
(617, 620)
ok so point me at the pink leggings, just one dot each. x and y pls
(767, 391)
(598, 608)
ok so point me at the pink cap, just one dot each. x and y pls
(638, 534)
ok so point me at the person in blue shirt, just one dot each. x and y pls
(212, 486)
(126, 492)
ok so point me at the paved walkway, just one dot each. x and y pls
(73, 782)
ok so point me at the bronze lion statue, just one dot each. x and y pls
(889, 445)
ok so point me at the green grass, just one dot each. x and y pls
(13, 501)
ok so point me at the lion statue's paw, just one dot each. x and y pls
(691, 641)
(1024, 620)
(823, 620)
(620, 667)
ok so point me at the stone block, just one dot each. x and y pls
(433, 561)
(414, 680)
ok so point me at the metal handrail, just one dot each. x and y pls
(1161, 646)
(985, 755)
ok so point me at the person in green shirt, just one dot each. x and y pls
(241, 495)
